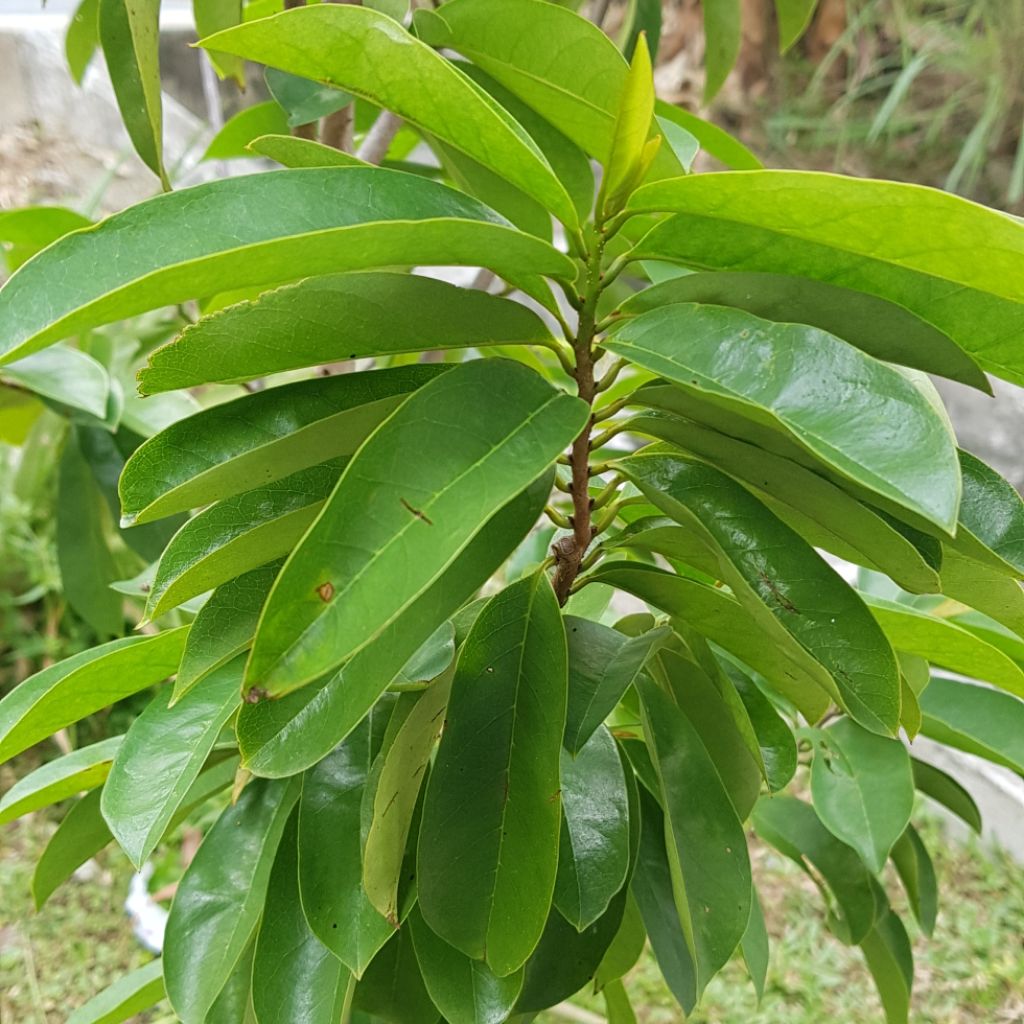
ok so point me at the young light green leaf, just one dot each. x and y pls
(602, 665)
(84, 683)
(983, 587)
(347, 45)
(261, 229)
(330, 869)
(684, 145)
(82, 38)
(290, 151)
(488, 844)
(333, 318)
(238, 534)
(220, 898)
(881, 328)
(421, 486)
(977, 719)
(213, 16)
(891, 962)
(775, 384)
(286, 736)
(56, 780)
(794, 16)
(917, 873)
(863, 789)
(250, 123)
(593, 855)
(162, 755)
(780, 580)
(129, 32)
(723, 36)
(295, 977)
(713, 140)
(134, 992)
(944, 789)
(466, 991)
(260, 438)
(859, 234)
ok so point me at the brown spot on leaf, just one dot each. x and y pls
(416, 512)
(255, 694)
(780, 598)
(325, 591)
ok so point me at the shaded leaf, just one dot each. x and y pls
(917, 873)
(130, 994)
(303, 100)
(944, 789)
(232, 141)
(891, 962)
(392, 989)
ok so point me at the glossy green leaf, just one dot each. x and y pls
(977, 719)
(880, 328)
(991, 518)
(345, 45)
(259, 438)
(774, 737)
(602, 665)
(863, 789)
(304, 100)
(220, 897)
(288, 735)
(392, 989)
(295, 977)
(66, 375)
(793, 16)
(715, 141)
(946, 643)
(716, 615)
(81, 834)
(239, 534)
(891, 962)
(779, 579)
(705, 842)
(261, 229)
(723, 36)
(82, 684)
(775, 384)
(212, 16)
(792, 827)
(488, 845)
(82, 38)
(859, 234)
(396, 796)
(290, 151)
(163, 752)
(330, 867)
(129, 32)
(945, 790)
(983, 587)
(917, 873)
(56, 780)
(421, 486)
(593, 856)
(339, 317)
(466, 991)
(823, 513)
(233, 1005)
(250, 123)
(134, 992)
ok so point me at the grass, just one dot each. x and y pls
(971, 972)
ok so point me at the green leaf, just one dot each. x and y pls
(76, 687)
(295, 977)
(288, 735)
(880, 328)
(397, 794)
(303, 100)
(163, 752)
(212, 16)
(488, 845)
(602, 665)
(917, 873)
(991, 518)
(293, 152)
(628, 944)
(66, 375)
(944, 789)
(220, 897)
(593, 856)
(779, 579)
(723, 36)
(820, 511)
(984, 588)
(250, 123)
(788, 668)
(26, 230)
(260, 229)
(339, 317)
(466, 991)
(684, 145)
(775, 385)
(977, 719)
(792, 827)
(859, 234)
(944, 642)
(891, 962)
(451, 458)
(81, 770)
(863, 789)
(706, 846)
(392, 989)
(129, 32)
(260, 438)
(775, 738)
(132, 993)
(330, 869)
(345, 46)
(641, 16)
(793, 16)
(81, 38)
(754, 946)
(239, 534)
(233, 1005)
(713, 140)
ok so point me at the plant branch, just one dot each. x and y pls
(378, 139)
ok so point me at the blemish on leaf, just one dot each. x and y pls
(777, 594)
(255, 694)
(416, 512)
(326, 591)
